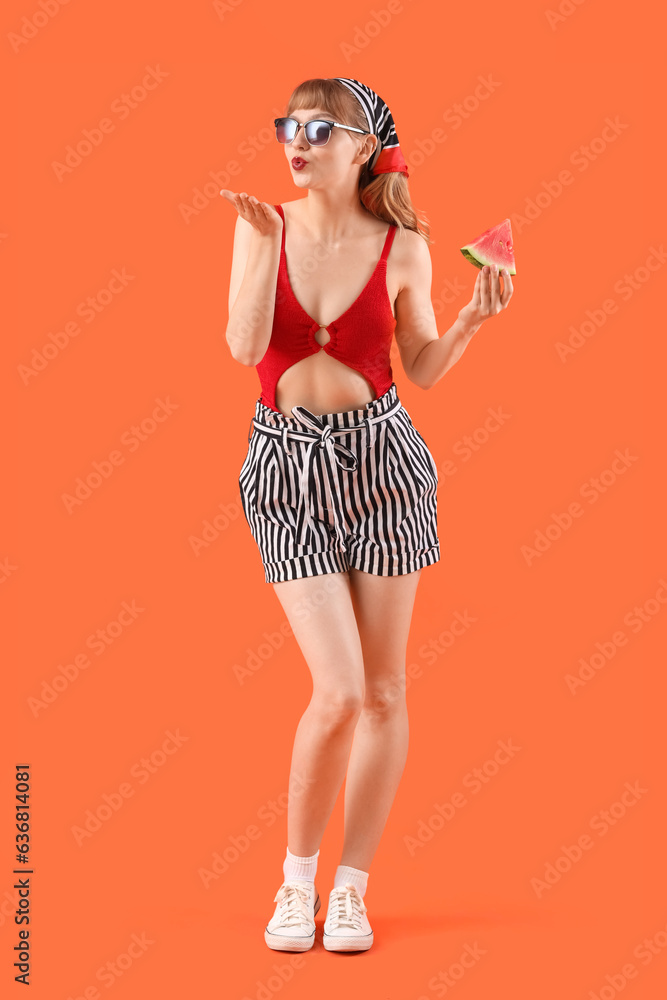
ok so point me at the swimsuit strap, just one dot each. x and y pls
(279, 210)
(388, 242)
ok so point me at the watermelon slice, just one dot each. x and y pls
(493, 246)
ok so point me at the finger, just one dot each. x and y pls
(230, 196)
(256, 210)
(237, 201)
(494, 289)
(476, 300)
(508, 288)
(254, 214)
(253, 203)
(246, 208)
(484, 294)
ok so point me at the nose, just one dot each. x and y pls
(299, 141)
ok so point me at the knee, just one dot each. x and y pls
(337, 709)
(384, 699)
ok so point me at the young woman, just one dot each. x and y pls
(338, 486)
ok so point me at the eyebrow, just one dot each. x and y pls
(318, 114)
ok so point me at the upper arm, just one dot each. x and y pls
(415, 318)
(242, 237)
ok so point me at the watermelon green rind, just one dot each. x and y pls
(493, 246)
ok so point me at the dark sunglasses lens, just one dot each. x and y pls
(285, 129)
(317, 133)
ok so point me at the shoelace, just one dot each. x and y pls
(294, 900)
(346, 907)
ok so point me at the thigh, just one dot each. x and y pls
(383, 609)
(321, 616)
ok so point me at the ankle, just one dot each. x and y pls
(296, 867)
(358, 878)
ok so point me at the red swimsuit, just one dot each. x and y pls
(360, 338)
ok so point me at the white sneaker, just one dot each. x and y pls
(292, 926)
(346, 927)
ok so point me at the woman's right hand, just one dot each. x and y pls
(262, 217)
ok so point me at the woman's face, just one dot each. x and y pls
(343, 153)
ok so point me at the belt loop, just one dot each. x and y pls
(370, 430)
(286, 447)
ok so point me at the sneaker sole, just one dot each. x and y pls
(332, 942)
(282, 942)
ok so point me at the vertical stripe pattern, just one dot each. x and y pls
(323, 493)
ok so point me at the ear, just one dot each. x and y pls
(370, 145)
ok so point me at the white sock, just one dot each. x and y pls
(356, 876)
(301, 868)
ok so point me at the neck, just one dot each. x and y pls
(332, 217)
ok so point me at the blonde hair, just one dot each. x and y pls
(386, 196)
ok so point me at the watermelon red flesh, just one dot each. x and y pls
(493, 246)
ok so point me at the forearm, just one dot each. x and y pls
(438, 356)
(251, 318)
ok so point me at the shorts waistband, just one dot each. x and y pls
(382, 407)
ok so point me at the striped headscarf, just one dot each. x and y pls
(388, 157)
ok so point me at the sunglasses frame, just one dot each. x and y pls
(325, 121)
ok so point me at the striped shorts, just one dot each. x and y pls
(325, 493)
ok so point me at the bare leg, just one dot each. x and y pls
(320, 612)
(383, 609)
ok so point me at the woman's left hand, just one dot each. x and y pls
(487, 299)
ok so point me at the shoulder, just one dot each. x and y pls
(411, 257)
(292, 206)
(410, 245)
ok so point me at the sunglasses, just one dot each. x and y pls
(317, 131)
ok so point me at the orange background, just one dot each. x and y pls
(204, 610)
